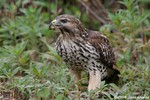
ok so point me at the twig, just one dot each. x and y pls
(144, 29)
(93, 13)
(103, 8)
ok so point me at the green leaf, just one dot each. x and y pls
(44, 92)
(59, 97)
(35, 70)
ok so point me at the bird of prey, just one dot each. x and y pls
(84, 49)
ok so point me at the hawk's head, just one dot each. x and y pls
(67, 24)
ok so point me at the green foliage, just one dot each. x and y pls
(128, 21)
(132, 50)
(30, 68)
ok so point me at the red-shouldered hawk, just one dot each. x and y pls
(84, 49)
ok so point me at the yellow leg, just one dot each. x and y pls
(77, 76)
(94, 80)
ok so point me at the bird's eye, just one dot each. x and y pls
(64, 20)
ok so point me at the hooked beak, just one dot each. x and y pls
(54, 24)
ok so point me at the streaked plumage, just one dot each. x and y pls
(83, 49)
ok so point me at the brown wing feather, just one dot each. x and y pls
(101, 43)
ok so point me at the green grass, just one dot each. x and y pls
(30, 67)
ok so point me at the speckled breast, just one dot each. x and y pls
(77, 55)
